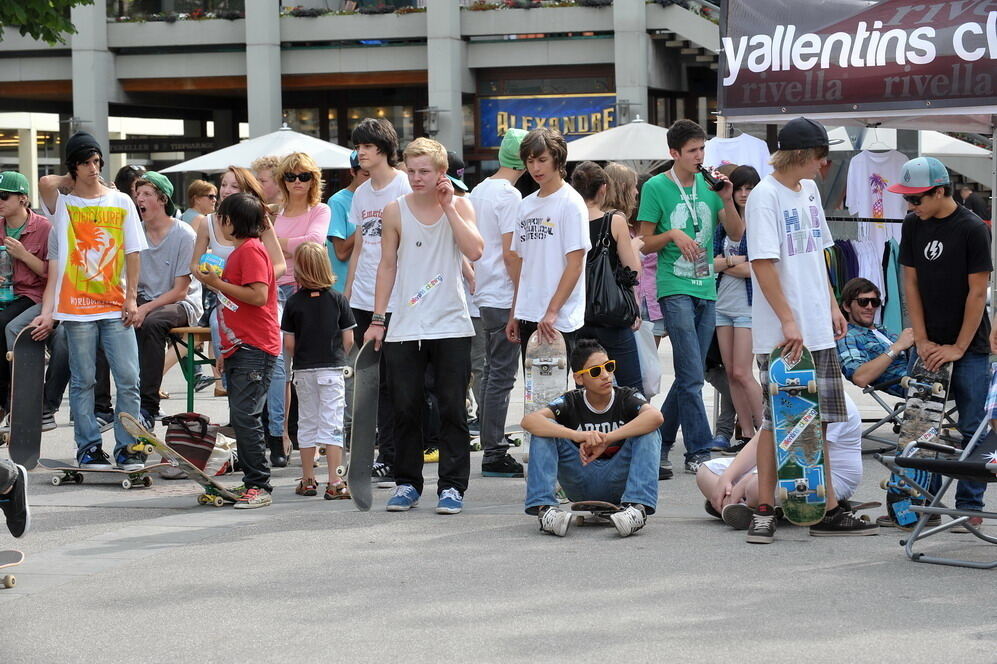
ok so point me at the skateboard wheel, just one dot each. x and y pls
(321, 451)
(561, 363)
(905, 382)
(812, 387)
(9, 581)
(937, 389)
(78, 478)
(578, 520)
(821, 491)
(126, 484)
(149, 450)
(218, 501)
(885, 485)
(202, 499)
(10, 355)
(773, 389)
(146, 481)
(348, 372)
(341, 471)
(783, 494)
(56, 481)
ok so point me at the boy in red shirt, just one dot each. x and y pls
(250, 338)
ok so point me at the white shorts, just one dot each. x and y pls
(321, 399)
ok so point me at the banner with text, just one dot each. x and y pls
(572, 115)
(856, 55)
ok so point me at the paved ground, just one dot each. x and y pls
(147, 575)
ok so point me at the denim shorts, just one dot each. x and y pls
(723, 320)
(659, 325)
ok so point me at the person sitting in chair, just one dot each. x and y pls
(869, 353)
(600, 442)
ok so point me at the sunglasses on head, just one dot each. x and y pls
(291, 177)
(596, 371)
(866, 301)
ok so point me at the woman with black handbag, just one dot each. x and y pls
(611, 269)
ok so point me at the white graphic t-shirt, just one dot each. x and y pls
(743, 150)
(365, 213)
(789, 226)
(869, 174)
(547, 229)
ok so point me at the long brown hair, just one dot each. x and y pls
(620, 194)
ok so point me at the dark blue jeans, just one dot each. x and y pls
(969, 391)
(248, 372)
(620, 345)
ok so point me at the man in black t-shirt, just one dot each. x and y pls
(945, 251)
(600, 442)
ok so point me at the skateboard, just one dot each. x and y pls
(71, 473)
(593, 512)
(799, 441)
(924, 412)
(366, 374)
(215, 493)
(515, 437)
(10, 559)
(545, 372)
(27, 377)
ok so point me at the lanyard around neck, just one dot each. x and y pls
(691, 202)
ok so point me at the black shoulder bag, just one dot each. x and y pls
(609, 297)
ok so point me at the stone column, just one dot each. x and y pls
(631, 50)
(447, 62)
(263, 91)
(27, 158)
(93, 72)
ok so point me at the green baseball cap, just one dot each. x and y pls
(508, 155)
(14, 182)
(163, 184)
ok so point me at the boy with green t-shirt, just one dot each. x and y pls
(678, 215)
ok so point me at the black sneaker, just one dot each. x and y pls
(105, 421)
(130, 461)
(839, 523)
(762, 528)
(712, 511)
(504, 466)
(738, 516)
(14, 504)
(665, 473)
(203, 380)
(383, 474)
(94, 458)
(48, 421)
(734, 449)
(474, 427)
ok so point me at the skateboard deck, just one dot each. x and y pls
(799, 441)
(366, 374)
(515, 436)
(71, 473)
(215, 493)
(545, 373)
(10, 558)
(924, 413)
(27, 376)
(593, 511)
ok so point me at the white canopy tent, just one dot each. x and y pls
(638, 144)
(280, 143)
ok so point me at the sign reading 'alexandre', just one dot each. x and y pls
(572, 115)
(850, 56)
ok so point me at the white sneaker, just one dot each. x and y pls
(555, 521)
(629, 520)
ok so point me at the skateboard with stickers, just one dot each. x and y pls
(27, 378)
(545, 372)
(799, 441)
(924, 412)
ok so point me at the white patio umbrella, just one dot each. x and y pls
(282, 142)
(639, 144)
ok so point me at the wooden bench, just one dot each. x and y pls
(190, 338)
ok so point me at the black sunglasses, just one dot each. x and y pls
(915, 199)
(4, 195)
(291, 177)
(213, 197)
(866, 301)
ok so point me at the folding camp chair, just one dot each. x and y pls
(894, 417)
(976, 463)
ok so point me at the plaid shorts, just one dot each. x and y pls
(991, 407)
(830, 387)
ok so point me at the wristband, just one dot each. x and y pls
(376, 323)
(890, 353)
(380, 318)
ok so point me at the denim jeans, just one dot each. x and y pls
(121, 350)
(630, 476)
(57, 372)
(249, 371)
(497, 381)
(690, 322)
(621, 345)
(969, 391)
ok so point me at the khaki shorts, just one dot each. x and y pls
(830, 388)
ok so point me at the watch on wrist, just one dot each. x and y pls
(890, 353)
(377, 317)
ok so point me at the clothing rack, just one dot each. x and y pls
(866, 219)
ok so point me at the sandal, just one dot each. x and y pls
(337, 491)
(310, 489)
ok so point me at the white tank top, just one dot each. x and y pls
(217, 248)
(428, 298)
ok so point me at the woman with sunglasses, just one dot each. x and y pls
(600, 442)
(201, 197)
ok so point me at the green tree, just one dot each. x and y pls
(46, 20)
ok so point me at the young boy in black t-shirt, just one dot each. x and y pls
(600, 442)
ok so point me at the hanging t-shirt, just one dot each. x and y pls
(339, 227)
(495, 201)
(365, 213)
(90, 238)
(743, 150)
(662, 204)
(317, 319)
(547, 229)
(944, 252)
(240, 323)
(869, 174)
(573, 410)
(789, 227)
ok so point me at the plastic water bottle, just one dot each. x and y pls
(6, 277)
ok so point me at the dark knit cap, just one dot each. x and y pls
(80, 146)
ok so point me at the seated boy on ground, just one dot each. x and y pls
(730, 485)
(600, 442)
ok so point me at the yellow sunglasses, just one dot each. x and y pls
(596, 371)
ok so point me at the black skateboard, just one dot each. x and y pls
(27, 378)
(363, 436)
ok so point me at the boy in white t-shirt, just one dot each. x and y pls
(551, 239)
(787, 235)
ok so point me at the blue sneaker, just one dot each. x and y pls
(94, 458)
(403, 499)
(719, 443)
(451, 502)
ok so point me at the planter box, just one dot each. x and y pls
(182, 33)
(540, 20)
(332, 27)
